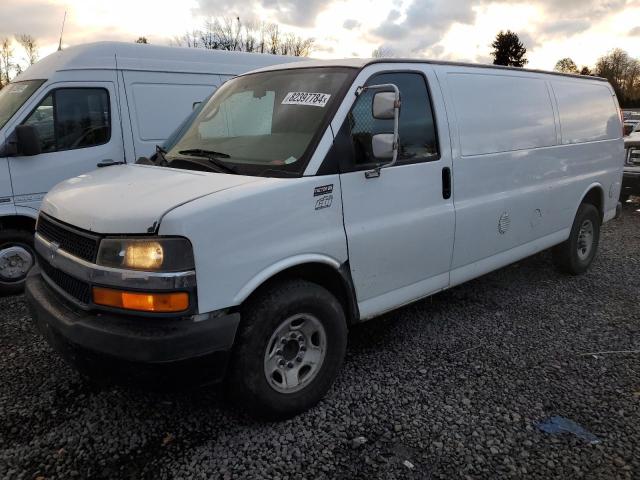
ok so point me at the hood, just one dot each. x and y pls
(131, 199)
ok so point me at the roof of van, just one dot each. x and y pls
(135, 56)
(363, 62)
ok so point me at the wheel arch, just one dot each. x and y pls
(595, 196)
(18, 222)
(324, 271)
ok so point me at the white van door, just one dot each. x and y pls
(78, 127)
(399, 226)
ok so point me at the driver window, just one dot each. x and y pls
(418, 141)
(72, 118)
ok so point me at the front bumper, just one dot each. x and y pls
(630, 183)
(123, 348)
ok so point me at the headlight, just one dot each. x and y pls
(148, 254)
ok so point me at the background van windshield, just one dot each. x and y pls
(264, 122)
(13, 96)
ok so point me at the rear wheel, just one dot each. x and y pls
(289, 349)
(575, 255)
(16, 259)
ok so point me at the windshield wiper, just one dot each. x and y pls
(200, 152)
(213, 158)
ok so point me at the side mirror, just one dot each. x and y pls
(382, 146)
(384, 105)
(28, 140)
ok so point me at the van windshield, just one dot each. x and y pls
(263, 123)
(13, 96)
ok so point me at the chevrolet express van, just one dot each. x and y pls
(307, 197)
(102, 102)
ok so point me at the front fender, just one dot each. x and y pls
(243, 236)
(281, 266)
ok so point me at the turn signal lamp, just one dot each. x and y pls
(141, 301)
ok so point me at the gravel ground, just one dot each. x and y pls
(451, 387)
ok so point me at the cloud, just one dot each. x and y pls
(418, 26)
(350, 24)
(290, 12)
(35, 17)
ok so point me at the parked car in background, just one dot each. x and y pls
(631, 176)
(308, 197)
(631, 121)
(96, 103)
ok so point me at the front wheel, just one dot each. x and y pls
(16, 259)
(289, 349)
(575, 255)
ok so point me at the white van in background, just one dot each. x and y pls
(307, 197)
(102, 102)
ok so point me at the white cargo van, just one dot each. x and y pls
(305, 198)
(101, 102)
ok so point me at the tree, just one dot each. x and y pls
(142, 40)
(30, 47)
(383, 52)
(566, 65)
(623, 73)
(231, 34)
(508, 50)
(6, 61)
(585, 71)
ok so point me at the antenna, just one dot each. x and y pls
(62, 31)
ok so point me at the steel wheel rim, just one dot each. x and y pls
(585, 240)
(295, 353)
(15, 263)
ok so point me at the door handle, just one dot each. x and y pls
(446, 183)
(107, 162)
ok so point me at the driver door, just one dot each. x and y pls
(78, 127)
(399, 225)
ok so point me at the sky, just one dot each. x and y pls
(438, 29)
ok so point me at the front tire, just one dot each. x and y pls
(289, 348)
(575, 255)
(16, 259)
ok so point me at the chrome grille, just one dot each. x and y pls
(79, 290)
(76, 242)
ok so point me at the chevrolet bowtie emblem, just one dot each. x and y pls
(53, 251)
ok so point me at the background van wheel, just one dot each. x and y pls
(16, 259)
(288, 351)
(575, 255)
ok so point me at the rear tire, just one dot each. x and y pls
(17, 256)
(288, 351)
(575, 255)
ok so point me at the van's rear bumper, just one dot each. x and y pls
(141, 350)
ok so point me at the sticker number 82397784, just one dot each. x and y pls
(306, 98)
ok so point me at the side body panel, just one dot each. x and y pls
(159, 101)
(516, 186)
(245, 235)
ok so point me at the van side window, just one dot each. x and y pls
(418, 140)
(71, 118)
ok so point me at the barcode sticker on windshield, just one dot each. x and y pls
(306, 98)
